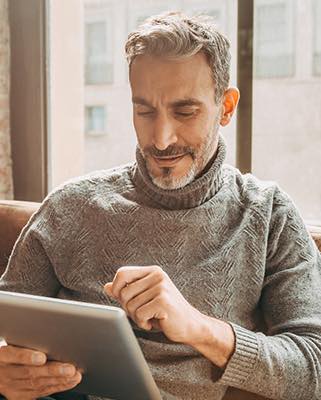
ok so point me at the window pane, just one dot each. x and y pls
(95, 119)
(317, 37)
(273, 31)
(286, 114)
(97, 70)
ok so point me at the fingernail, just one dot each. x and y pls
(67, 370)
(38, 358)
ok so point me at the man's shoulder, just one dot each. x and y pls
(68, 205)
(250, 189)
(248, 184)
(82, 188)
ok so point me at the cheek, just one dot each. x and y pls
(195, 132)
(141, 132)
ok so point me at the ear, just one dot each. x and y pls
(230, 100)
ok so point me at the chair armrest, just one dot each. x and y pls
(13, 217)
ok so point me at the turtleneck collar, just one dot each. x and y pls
(192, 195)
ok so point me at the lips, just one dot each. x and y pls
(169, 160)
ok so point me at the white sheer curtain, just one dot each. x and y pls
(6, 186)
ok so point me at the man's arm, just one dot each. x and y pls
(285, 363)
(29, 269)
(213, 338)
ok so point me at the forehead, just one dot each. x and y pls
(156, 78)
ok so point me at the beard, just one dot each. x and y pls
(201, 156)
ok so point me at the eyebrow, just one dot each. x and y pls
(176, 103)
(186, 102)
(140, 100)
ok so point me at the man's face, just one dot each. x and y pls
(175, 117)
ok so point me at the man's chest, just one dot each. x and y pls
(213, 263)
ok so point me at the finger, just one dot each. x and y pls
(134, 304)
(145, 314)
(19, 355)
(55, 368)
(65, 386)
(56, 388)
(126, 275)
(108, 289)
(138, 287)
(123, 277)
(41, 384)
(50, 369)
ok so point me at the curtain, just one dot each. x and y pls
(6, 185)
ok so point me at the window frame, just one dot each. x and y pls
(28, 114)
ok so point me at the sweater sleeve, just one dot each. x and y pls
(285, 361)
(30, 268)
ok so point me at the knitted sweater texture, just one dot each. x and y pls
(235, 247)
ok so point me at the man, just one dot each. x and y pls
(198, 255)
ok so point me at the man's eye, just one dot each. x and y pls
(184, 114)
(145, 113)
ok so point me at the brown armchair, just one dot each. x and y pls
(15, 214)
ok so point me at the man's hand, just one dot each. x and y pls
(151, 299)
(26, 374)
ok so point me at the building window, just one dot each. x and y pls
(95, 117)
(141, 19)
(215, 13)
(317, 38)
(98, 63)
(273, 39)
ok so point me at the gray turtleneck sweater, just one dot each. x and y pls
(235, 247)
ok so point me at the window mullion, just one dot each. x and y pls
(245, 83)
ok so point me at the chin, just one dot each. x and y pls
(172, 182)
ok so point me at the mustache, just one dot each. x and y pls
(170, 151)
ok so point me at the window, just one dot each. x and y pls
(286, 132)
(139, 10)
(273, 39)
(98, 65)
(317, 37)
(95, 120)
(215, 9)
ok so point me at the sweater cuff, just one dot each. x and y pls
(242, 362)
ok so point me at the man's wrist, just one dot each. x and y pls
(213, 338)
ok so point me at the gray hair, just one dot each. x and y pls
(175, 35)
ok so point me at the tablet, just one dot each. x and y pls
(96, 338)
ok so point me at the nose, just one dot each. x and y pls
(163, 132)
